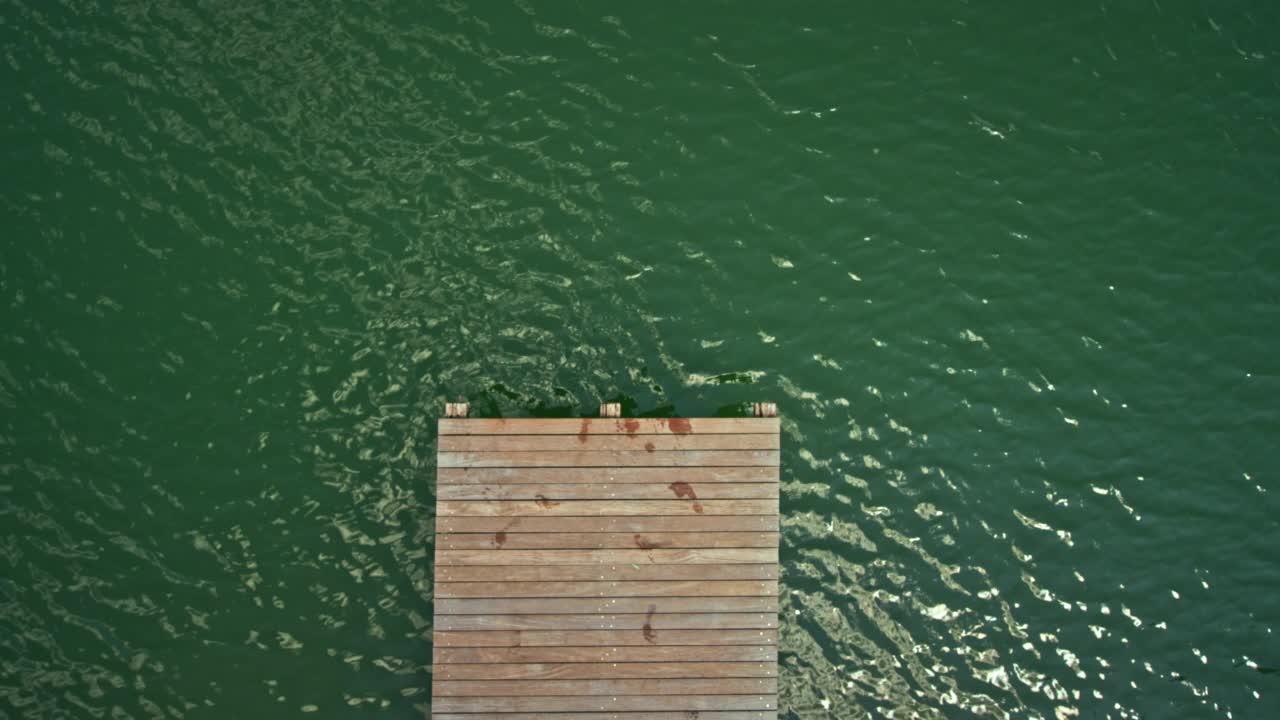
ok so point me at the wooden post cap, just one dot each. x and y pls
(456, 410)
(765, 409)
(610, 409)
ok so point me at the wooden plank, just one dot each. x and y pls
(600, 541)
(635, 443)
(648, 686)
(576, 643)
(607, 426)
(536, 606)
(611, 568)
(443, 655)
(613, 524)
(604, 491)
(649, 627)
(696, 556)
(613, 476)
(569, 508)
(603, 703)
(605, 671)
(657, 588)
(676, 715)
(604, 572)
(619, 458)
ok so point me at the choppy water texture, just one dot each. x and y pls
(1012, 274)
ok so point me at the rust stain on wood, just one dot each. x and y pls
(649, 634)
(544, 502)
(680, 426)
(685, 490)
(645, 544)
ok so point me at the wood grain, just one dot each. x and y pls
(605, 475)
(615, 524)
(605, 572)
(606, 491)
(598, 541)
(605, 671)
(559, 507)
(606, 568)
(631, 605)
(604, 703)
(651, 588)
(729, 642)
(695, 556)
(659, 686)
(568, 654)
(639, 443)
(650, 628)
(630, 715)
(617, 458)
(608, 426)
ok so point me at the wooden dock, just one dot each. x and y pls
(609, 568)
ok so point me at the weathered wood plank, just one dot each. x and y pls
(636, 715)
(444, 655)
(659, 686)
(594, 606)
(600, 541)
(574, 443)
(610, 524)
(603, 703)
(657, 588)
(612, 568)
(648, 627)
(607, 426)
(604, 572)
(619, 458)
(703, 556)
(570, 508)
(613, 476)
(722, 644)
(605, 671)
(625, 491)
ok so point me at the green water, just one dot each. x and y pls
(1011, 271)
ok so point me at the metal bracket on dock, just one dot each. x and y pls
(456, 410)
(609, 410)
(765, 409)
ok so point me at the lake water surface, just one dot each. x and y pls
(1011, 271)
